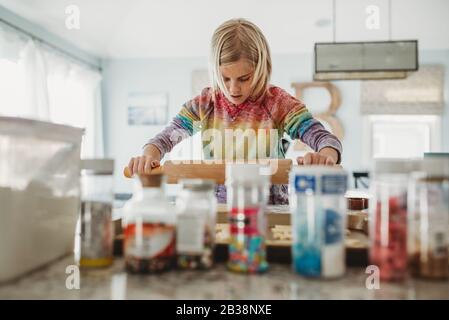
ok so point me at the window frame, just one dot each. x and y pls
(433, 121)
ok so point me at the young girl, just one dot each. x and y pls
(242, 103)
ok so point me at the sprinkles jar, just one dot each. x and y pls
(247, 194)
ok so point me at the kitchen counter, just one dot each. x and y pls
(279, 283)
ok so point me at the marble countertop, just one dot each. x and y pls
(279, 282)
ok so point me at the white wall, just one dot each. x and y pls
(150, 75)
(174, 77)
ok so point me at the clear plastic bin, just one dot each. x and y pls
(39, 193)
(388, 218)
(428, 219)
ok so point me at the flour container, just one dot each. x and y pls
(39, 193)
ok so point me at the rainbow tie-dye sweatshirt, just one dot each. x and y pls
(252, 130)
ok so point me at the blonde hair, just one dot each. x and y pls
(236, 39)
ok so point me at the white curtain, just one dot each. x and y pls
(75, 98)
(33, 67)
(40, 83)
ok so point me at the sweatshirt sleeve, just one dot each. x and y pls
(185, 124)
(299, 123)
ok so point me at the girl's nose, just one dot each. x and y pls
(234, 87)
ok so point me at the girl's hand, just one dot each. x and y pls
(326, 156)
(142, 165)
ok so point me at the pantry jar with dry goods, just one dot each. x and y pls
(196, 216)
(388, 218)
(95, 229)
(247, 194)
(149, 225)
(429, 219)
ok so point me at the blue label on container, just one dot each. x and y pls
(333, 227)
(333, 184)
(307, 260)
(304, 183)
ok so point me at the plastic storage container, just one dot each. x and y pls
(247, 195)
(429, 219)
(95, 227)
(388, 218)
(318, 210)
(149, 225)
(195, 237)
(39, 193)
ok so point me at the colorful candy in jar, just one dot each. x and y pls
(247, 193)
(247, 252)
(389, 251)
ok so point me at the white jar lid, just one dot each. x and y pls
(397, 166)
(436, 166)
(358, 193)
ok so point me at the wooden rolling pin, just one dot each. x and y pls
(213, 171)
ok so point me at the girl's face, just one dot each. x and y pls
(237, 77)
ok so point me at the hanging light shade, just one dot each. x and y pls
(365, 60)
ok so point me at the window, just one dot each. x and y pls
(403, 117)
(401, 136)
(38, 82)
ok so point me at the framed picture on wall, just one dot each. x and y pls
(147, 108)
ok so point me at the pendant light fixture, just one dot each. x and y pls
(365, 60)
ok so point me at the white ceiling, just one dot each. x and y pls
(165, 28)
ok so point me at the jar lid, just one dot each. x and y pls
(197, 184)
(97, 166)
(436, 165)
(151, 180)
(247, 173)
(397, 165)
(435, 154)
(357, 203)
(358, 193)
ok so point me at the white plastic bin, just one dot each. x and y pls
(39, 193)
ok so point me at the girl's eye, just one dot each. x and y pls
(226, 79)
(244, 80)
